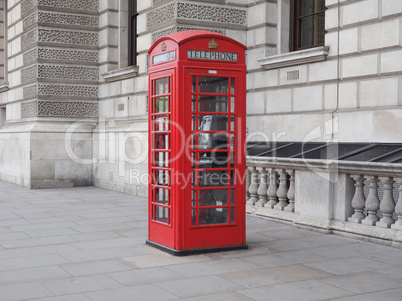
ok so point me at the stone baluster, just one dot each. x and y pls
(282, 190)
(398, 207)
(262, 188)
(252, 189)
(358, 200)
(272, 189)
(247, 183)
(387, 205)
(291, 191)
(372, 202)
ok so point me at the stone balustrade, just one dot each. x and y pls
(354, 199)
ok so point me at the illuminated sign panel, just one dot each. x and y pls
(164, 57)
(212, 55)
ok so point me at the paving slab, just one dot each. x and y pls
(310, 290)
(88, 244)
(363, 283)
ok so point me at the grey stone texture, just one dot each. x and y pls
(87, 244)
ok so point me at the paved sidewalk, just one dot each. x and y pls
(83, 244)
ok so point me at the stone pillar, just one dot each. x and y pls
(291, 191)
(387, 205)
(272, 189)
(372, 202)
(262, 188)
(53, 75)
(253, 188)
(398, 207)
(282, 190)
(358, 200)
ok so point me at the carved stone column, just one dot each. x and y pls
(248, 179)
(272, 190)
(253, 188)
(398, 207)
(387, 205)
(358, 200)
(262, 188)
(372, 203)
(60, 74)
(282, 190)
(291, 191)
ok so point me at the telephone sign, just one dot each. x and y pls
(197, 105)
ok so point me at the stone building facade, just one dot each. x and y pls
(73, 100)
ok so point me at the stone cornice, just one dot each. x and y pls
(3, 86)
(120, 74)
(305, 56)
(350, 167)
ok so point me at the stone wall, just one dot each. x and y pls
(350, 90)
(67, 69)
(52, 74)
(120, 139)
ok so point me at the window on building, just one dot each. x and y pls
(3, 28)
(132, 32)
(308, 23)
(2, 116)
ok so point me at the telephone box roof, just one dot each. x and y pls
(188, 35)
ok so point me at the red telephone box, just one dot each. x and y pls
(197, 128)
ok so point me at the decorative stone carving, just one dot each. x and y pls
(29, 75)
(253, 188)
(358, 200)
(196, 12)
(372, 202)
(68, 55)
(59, 72)
(211, 13)
(164, 32)
(68, 90)
(183, 28)
(291, 191)
(67, 108)
(161, 15)
(272, 189)
(67, 72)
(29, 92)
(28, 39)
(387, 205)
(282, 190)
(30, 56)
(27, 5)
(67, 37)
(398, 207)
(29, 21)
(59, 109)
(60, 55)
(64, 19)
(91, 5)
(263, 187)
(29, 109)
(60, 19)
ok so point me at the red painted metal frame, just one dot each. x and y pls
(180, 237)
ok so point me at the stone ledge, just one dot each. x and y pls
(338, 166)
(120, 74)
(388, 237)
(3, 86)
(295, 58)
